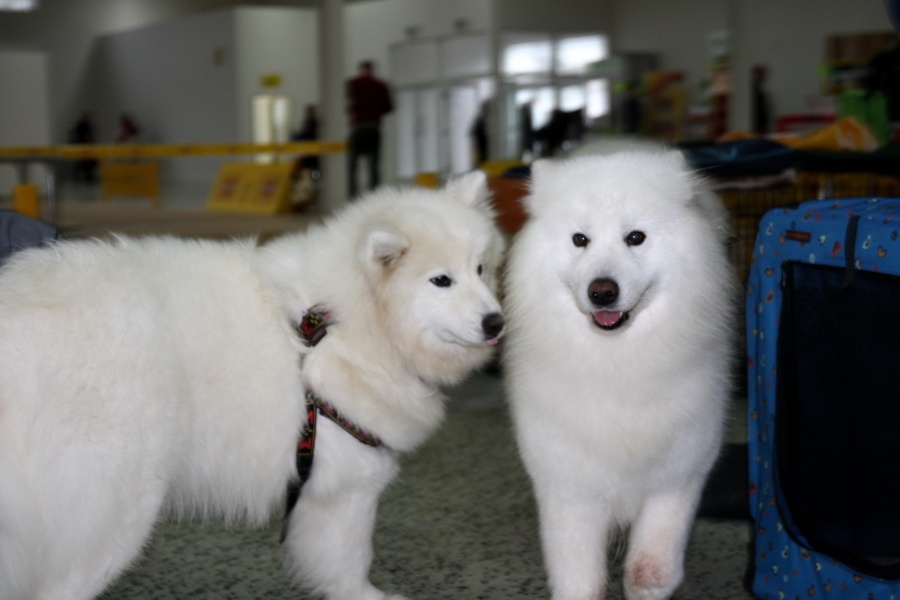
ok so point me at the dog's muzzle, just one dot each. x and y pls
(492, 325)
(603, 294)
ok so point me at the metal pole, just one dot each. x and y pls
(334, 124)
(22, 170)
(52, 212)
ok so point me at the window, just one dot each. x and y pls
(527, 54)
(543, 74)
(18, 5)
(574, 54)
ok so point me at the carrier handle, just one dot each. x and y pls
(850, 253)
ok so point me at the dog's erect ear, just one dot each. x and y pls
(383, 246)
(470, 189)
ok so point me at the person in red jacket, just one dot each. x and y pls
(369, 99)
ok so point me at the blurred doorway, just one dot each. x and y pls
(271, 122)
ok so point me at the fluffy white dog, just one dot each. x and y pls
(141, 377)
(621, 307)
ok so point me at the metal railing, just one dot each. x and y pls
(50, 156)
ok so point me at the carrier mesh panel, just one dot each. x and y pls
(838, 417)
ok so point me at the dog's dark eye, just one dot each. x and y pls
(635, 238)
(580, 240)
(441, 281)
(480, 269)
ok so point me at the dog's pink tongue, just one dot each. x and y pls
(607, 318)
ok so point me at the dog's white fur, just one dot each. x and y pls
(145, 376)
(619, 427)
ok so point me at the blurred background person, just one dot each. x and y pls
(368, 100)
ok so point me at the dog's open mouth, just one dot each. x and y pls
(610, 319)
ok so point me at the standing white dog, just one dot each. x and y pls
(146, 376)
(621, 307)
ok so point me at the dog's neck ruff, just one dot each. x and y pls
(312, 328)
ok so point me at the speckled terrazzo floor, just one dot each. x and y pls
(460, 523)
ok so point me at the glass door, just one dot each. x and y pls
(271, 122)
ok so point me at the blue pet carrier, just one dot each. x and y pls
(823, 341)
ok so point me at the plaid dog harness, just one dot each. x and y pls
(312, 328)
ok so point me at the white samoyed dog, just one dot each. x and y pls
(621, 306)
(146, 377)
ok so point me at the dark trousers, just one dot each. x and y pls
(365, 143)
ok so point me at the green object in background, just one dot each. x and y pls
(868, 108)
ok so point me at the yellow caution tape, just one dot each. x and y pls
(99, 151)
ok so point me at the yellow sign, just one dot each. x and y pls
(25, 200)
(252, 188)
(270, 81)
(130, 180)
(428, 180)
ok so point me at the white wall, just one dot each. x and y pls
(23, 79)
(192, 80)
(67, 30)
(372, 27)
(177, 80)
(168, 78)
(553, 15)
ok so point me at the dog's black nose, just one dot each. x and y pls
(603, 292)
(492, 325)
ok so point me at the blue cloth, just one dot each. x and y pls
(744, 158)
(18, 232)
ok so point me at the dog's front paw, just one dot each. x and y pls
(650, 579)
(371, 593)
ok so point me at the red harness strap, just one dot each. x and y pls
(312, 329)
(327, 410)
(306, 448)
(314, 325)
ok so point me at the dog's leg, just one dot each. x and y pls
(654, 566)
(79, 566)
(75, 530)
(329, 544)
(574, 535)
